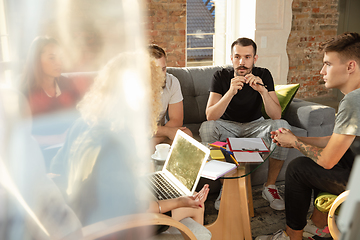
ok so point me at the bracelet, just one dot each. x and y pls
(159, 206)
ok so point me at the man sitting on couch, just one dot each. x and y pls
(234, 110)
(172, 102)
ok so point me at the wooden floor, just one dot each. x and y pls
(265, 221)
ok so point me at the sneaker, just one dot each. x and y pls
(271, 194)
(217, 201)
(279, 235)
(311, 230)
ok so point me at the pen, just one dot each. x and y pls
(231, 153)
(212, 145)
(236, 162)
(250, 150)
(261, 84)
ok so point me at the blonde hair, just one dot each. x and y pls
(157, 83)
(104, 101)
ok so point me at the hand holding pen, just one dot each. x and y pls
(253, 80)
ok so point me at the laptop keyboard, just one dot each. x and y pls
(161, 187)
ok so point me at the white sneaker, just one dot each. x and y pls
(279, 235)
(271, 194)
(311, 230)
(217, 201)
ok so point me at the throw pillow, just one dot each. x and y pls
(285, 94)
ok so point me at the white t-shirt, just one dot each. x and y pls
(170, 95)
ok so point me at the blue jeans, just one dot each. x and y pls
(303, 176)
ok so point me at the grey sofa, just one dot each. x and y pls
(305, 118)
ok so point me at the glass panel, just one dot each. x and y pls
(71, 154)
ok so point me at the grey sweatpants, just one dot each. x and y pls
(219, 130)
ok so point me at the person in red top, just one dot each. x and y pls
(48, 93)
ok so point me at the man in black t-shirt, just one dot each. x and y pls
(234, 110)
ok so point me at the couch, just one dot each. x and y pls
(306, 118)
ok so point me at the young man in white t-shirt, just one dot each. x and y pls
(172, 102)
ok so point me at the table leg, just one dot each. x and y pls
(249, 191)
(233, 221)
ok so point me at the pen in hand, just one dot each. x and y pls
(261, 84)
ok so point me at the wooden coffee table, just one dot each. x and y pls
(236, 207)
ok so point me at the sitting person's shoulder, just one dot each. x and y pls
(225, 71)
(171, 80)
(260, 71)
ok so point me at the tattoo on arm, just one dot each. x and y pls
(314, 153)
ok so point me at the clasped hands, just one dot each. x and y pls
(283, 137)
(238, 82)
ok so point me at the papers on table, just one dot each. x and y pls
(219, 144)
(252, 157)
(247, 145)
(247, 149)
(215, 169)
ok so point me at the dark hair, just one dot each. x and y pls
(31, 78)
(347, 45)
(244, 42)
(156, 51)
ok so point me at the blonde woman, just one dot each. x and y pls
(99, 162)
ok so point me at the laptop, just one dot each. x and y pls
(182, 168)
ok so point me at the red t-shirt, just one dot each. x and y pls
(41, 103)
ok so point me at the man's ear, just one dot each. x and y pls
(255, 58)
(352, 65)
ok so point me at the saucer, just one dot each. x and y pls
(155, 157)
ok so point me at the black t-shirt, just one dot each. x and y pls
(246, 105)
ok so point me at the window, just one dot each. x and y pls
(200, 32)
(4, 46)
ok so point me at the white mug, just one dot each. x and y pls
(162, 150)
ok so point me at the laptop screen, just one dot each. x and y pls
(185, 161)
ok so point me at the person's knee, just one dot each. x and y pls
(281, 123)
(206, 130)
(295, 166)
(199, 230)
(188, 132)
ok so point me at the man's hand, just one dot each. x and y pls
(253, 82)
(236, 84)
(283, 137)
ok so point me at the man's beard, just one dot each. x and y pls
(248, 70)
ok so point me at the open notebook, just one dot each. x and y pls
(182, 168)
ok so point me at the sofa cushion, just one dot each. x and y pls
(285, 94)
(195, 85)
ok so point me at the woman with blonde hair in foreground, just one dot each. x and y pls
(100, 159)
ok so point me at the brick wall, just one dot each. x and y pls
(166, 27)
(313, 23)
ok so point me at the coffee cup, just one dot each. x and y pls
(162, 150)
